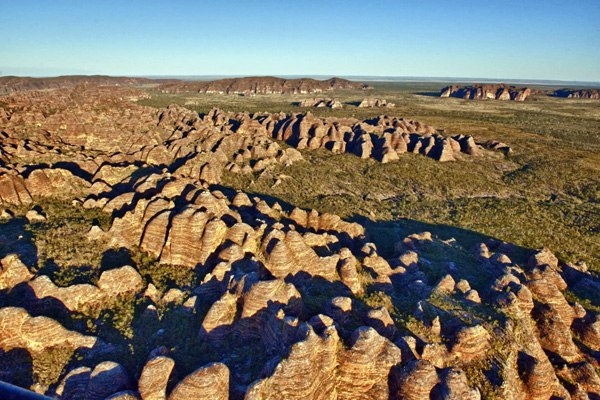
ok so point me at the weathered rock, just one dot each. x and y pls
(348, 272)
(470, 343)
(588, 330)
(13, 190)
(107, 378)
(339, 308)
(537, 375)
(124, 395)
(486, 92)
(547, 293)
(416, 380)
(208, 382)
(74, 385)
(173, 296)
(34, 216)
(261, 85)
(20, 330)
(115, 284)
(274, 293)
(382, 322)
(543, 257)
(120, 282)
(455, 386)
(588, 381)
(315, 102)
(155, 376)
(295, 377)
(370, 103)
(364, 369)
(221, 315)
(554, 334)
(13, 272)
(445, 286)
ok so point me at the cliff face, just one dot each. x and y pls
(203, 291)
(263, 85)
(486, 92)
(578, 94)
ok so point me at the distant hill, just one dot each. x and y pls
(578, 94)
(262, 85)
(486, 92)
(501, 91)
(10, 84)
(247, 85)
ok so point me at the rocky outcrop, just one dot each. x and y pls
(113, 285)
(10, 84)
(383, 138)
(486, 92)
(262, 85)
(208, 382)
(153, 381)
(454, 385)
(416, 380)
(20, 330)
(13, 272)
(107, 380)
(13, 190)
(294, 378)
(372, 103)
(318, 103)
(592, 94)
(364, 369)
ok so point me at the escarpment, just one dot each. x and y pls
(187, 288)
(591, 94)
(486, 92)
(262, 85)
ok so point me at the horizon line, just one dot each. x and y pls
(369, 78)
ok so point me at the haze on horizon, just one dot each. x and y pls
(536, 39)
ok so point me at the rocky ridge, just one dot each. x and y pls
(274, 290)
(593, 94)
(373, 103)
(486, 92)
(262, 85)
(316, 102)
(10, 84)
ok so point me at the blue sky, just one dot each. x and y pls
(525, 39)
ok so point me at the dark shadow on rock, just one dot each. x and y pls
(73, 168)
(76, 274)
(15, 238)
(115, 258)
(16, 367)
(23, 296)
(385, 233)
